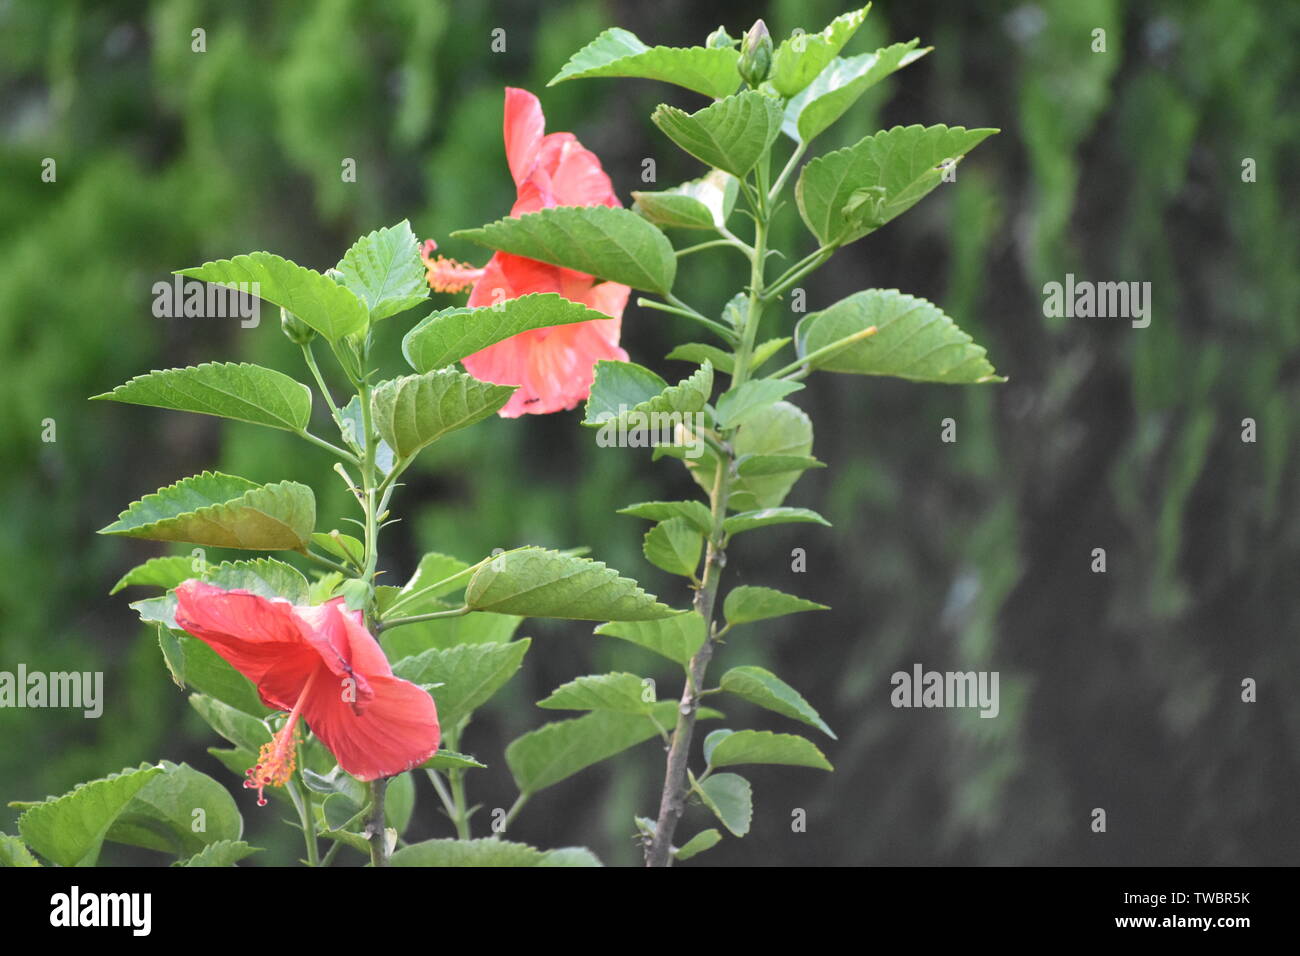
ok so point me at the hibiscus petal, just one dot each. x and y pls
(328, 628)
(260, 638)
(524, 125)
(396, 730)
(579, 180)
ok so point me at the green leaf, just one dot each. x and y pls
(765, 351)
(69, 830)
(609, 243)
(450, 760)
(436, 575)
(731, 135)
(331, 309)
(742, 403)
(452, 334)
(13, 852)
(617, 52)
(195, 665)
(848, 193)
(399, 802)
(699, 353)
(225, 512)
(385, 271)
(697, 844)
(164, 815)
(731, 799)
(778, 429)
(239, 391)
(535, 582)
(757, 465)
(915, 340)
(487, 852)
(163, 573)
(353, 424)
(570, 856)
(556, 751)
(763, 746)
(745, 604)
(618, 388)
(675, 546)
(703, 203)
(840, 84)
(263, 576)
(762, 687)
(747, 520)
(633, 397)
(241, 729)
(416, 410)
(714, 738)
(798, 60)
(676, 638)
(342, 546)
(469, 674)
(481, 627)
(697, 513)
(221, 853)
(625, 693)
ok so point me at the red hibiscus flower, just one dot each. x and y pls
(321, 664)
(553, 367)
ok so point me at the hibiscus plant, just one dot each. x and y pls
(384, 679)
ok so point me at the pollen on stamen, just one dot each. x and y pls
(447, 275)
(275, 763)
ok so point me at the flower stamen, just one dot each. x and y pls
(447, 275)
(278, 757)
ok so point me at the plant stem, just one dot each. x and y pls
(797, 271)
(515, 808)
(672, 800)
(785, 173)
(712, 243)
(385, 624)
(328, 562)
(826, 350)
(375, 825)
(303, 803)
(457, 778)
(685, 311)
(322, 443)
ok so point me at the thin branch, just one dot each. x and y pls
(677, 307)
(825, 350)
(342, 453)
(385, 624)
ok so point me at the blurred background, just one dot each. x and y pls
(1119, 690)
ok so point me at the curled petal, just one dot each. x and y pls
(260, 638)
(396, 730)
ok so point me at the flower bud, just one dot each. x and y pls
(719, 39)
(755, 54)
(298, 331)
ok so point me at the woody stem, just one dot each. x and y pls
(672, 801)
(375, 825)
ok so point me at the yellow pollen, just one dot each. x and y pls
(279, 755)
(275, 762)
(448, 275)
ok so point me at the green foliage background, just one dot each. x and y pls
(1119, 691)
